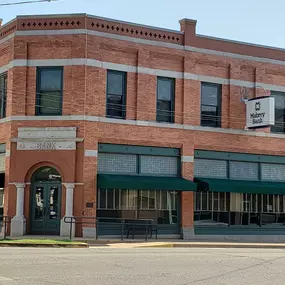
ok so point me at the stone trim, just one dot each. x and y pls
(156, 43)
(141, 70)
(187, 158)
(91, 153)
(141, 123)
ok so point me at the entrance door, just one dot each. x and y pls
(46, 216)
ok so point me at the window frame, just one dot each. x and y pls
(277, 93)
(172, 99)
(3, 94)
(2, 200)
(218, 106)
(124, 95)
(39, 92)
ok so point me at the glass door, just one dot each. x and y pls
(45, 216)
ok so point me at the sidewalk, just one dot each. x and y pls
(160, 243)
(181, 244)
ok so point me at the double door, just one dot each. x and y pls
(46, 206)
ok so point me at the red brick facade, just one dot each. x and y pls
(86, 46)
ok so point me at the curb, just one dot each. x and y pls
(41, 245)
(263, 246)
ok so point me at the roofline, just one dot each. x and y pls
(139, 25)
(240, 42)
(135, 24)
(96, 17)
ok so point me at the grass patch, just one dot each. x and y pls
(39, 241)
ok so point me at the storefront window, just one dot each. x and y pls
(233, 209)
(160, 206)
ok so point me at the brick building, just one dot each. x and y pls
(122, 121)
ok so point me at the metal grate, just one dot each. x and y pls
(210, 168)
(159, 165)
(272, 172)
(243, 170)
(117, 163)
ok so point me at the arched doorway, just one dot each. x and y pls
(45, 201)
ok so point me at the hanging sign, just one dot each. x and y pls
(260, 112)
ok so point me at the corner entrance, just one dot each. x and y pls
(46, 202)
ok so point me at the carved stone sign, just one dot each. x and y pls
(46, 145)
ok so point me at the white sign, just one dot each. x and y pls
(260, 112)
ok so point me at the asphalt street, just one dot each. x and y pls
(167, 266)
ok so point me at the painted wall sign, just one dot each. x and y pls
(46, 145)
(260, 112)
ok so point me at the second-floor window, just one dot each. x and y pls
(3, 94)
(165, 100)
(279, 126)
(116, 94)
(49, 91)
(210, 105)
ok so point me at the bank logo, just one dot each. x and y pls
(257, 106)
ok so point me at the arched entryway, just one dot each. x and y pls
(45, 201)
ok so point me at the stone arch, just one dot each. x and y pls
(33, 170)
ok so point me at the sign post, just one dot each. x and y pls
(260, 112)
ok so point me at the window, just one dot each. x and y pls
(116, 94)
(49, 91)
(161, 206)
(117, 163)
(273, 172)
(134, 164)
(279, 126)
(210, 168)
(165, 100)
(3, 94)
(159, 165)
(210, 105)
(244, 170)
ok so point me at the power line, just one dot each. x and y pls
(122, 107)
(26, 2)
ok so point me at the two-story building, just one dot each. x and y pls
(117, 120)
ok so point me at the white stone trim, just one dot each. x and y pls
(11, 36)
(158, 43)
(141, 70)
(7, 153)
(91, 153)
(187, 158)
(142, 123)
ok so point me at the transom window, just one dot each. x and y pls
(3, 94)
(116, 94)
(165, 99)
(49, 91)
(210, 105)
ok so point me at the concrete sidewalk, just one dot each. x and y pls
(182, 244)
(163, 243)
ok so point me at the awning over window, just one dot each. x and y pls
(240, 186)
(106, 181)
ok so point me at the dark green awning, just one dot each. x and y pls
(240, 186)
(108, 181)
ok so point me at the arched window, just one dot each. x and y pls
(46, 174)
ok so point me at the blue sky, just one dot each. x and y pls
(255, 21)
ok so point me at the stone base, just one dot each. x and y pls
(89, 233)
(18, 226)
(188, 233)
(65, 229)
